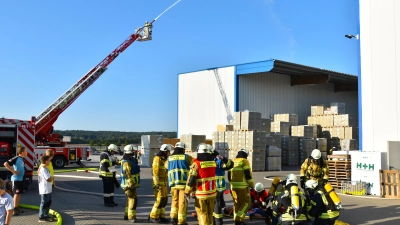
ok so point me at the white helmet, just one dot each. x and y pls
(244, 150)
(129, 149)
(259, 187)
(113, 147)
(291, 179)
(204, 148)
(165, 147)
(210, 148)
(180, 145)
(311, 184)
(316, 154)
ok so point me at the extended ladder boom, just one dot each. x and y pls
(229, 116)
(46, 119)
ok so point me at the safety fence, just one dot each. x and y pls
(389, 180)
(354, 188)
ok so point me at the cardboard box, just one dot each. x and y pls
(151, 141)
(192, 141)
(351, 132)
(250, 120)
(346, 120)
(291, 118)
(265, 125)
(273, 163)
(317, 110)
(223, 128)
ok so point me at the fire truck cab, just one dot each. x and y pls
(14, 133)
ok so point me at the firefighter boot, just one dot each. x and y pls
(112, 201)
(174, 221)
(107, 202)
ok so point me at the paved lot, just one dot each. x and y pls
(87, 207)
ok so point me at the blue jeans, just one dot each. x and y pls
(45, 203)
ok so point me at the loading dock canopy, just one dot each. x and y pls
(302, 75)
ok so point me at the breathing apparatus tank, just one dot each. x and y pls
(274, 185)
(294, 197)
(332, 194)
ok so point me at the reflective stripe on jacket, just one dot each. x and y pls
(205, 182)
(130, 173)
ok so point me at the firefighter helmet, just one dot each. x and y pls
(316, 154)
(113, 147)
(244, 150)
(165, 147)
(204, 148)
(259, 187)
(311, 184)
(180, 145)
(291, 179)
(129, 149)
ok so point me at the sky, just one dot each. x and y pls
(47, 46)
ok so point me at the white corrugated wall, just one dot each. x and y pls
(271, 93)
(200, 105)
(380, 73)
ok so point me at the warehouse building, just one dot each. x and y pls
(208, 97)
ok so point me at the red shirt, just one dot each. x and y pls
(262, 197)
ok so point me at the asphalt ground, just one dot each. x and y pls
(83, 202)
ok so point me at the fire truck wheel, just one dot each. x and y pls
(59, 161)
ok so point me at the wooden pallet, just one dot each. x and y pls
(390, 183)
(339, 158)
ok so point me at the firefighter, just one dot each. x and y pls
(322, 207)
(202, 182)
(240, 178)
(289, 207)
(130, 180)
(314, 168)
(107, 174)
(178, 171)
(260, 199)
(159, 171)
(223, 164)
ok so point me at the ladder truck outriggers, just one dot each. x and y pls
(36, 134)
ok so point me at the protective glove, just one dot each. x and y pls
(251, 189)
(303, 182)
(264, 204)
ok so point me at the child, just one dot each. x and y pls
(6, 205)
(50, 153)
(45, 189)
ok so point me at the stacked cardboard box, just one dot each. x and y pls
(274, 140)
(338, 108)
(265, 125)
(306, 146)
(223, 128)
(304, 131)
(273, 163)
(236, 120)
(147, 156)
(250, 120)
(349, 144)
(351, 132)
(283, 128)
(347, 120)
(192, 141)
(255, 140)
(334, 142)
(150, 146)
(290, 158)
(322, 144)
(291, 118)
(317, 110)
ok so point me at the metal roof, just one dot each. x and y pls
(294, 69)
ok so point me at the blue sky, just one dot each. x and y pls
(46, 46)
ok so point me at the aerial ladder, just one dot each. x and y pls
(44, 121)
(229, 116)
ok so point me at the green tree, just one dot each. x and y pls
(118, 143)
(107, 143)
(91, 142)
(126, 142)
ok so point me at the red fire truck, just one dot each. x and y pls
(14, 133)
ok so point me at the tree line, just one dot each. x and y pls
(104, 138)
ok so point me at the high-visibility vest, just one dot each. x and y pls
(205, 182)
(105, 163)
(135, 173)
(220, 175)
(178, 170)
(238, 179)
(331, 212)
